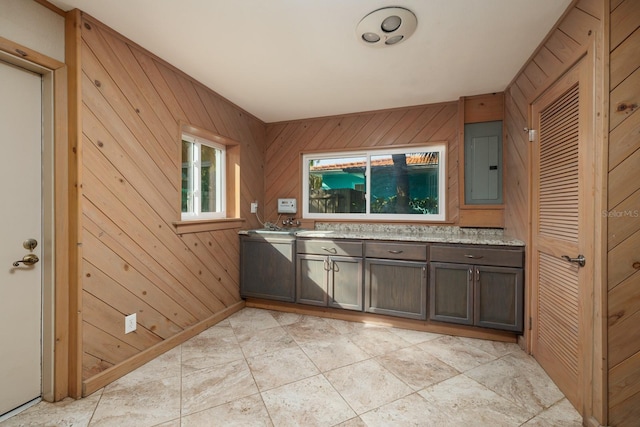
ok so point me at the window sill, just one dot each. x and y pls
(203, 225)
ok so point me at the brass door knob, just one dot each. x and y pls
(28, 259)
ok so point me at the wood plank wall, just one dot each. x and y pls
(624, 215)
(553, 57)
(415, 125)
(133, 260)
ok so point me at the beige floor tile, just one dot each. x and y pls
(353, 422)
(461, 401)
(416, 368)
(309, 402)
(455, 353)
(215, 386)
(281, 367)
(519, 378)
(284, 318)
(245, 412)
(215, 346)
(367, 385)
(369, 369)
(310, 329)
(65, 413)
(345, 327)
(411, 410)
(333, 353)
(495, 348)
(414, 337)
(251, 320)
(562, 414)
(265, 341)
(172, 423)
(167, 363)
(146, 403)
(376, 341)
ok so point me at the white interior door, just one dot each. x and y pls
(20, 219)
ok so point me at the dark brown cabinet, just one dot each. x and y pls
(267, 266)
(329, 273)
(396, 279)
(490, 295)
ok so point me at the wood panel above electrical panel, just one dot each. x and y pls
(475, 110)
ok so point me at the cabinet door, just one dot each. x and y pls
(396, 288)
(498, 299)
(345, 283)
(267, 268)
(311, 282)
(450, 293)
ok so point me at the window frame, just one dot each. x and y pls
(440, 148)
(220, 178)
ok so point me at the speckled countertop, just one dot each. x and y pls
(410, 233)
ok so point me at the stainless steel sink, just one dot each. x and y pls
(286, 231)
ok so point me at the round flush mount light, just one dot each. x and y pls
(386, 27)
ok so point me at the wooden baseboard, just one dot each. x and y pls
(378, 319)
(107, 376)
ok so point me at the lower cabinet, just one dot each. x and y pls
(467, 284)
(396, 279)
(396, 288)
(481, 295)
(329, 274)
(451, 293)
(267, 267)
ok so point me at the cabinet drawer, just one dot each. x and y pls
(477, 255)
(330, 247)
(408, 251)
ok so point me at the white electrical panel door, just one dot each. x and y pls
(483, 163)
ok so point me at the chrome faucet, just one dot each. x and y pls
(289, 222)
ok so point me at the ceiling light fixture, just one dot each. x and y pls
(386, 27)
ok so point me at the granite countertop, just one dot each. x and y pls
(407, 233)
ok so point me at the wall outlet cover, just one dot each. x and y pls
(130, 323)
(254, 207)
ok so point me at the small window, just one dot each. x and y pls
(390, 184)
(203, 179)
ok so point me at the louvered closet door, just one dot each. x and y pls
(562, 207)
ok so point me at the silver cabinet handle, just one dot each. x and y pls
(330, 250)
(395, 252)
(473, 256)
(580, 260)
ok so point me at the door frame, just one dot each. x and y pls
(595, 312)
(55, 206)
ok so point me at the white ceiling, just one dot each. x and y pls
(291, 59)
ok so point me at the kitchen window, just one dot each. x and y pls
(388, 184)
(203, 179)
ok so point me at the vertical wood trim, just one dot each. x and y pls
(461, 201)
(233, 180)
(61, 209)
(73, 45)
(591, 346)
(599, 377)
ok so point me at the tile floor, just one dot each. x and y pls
(265, 368)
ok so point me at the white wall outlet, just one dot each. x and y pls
(254, 207)
(130, 323)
